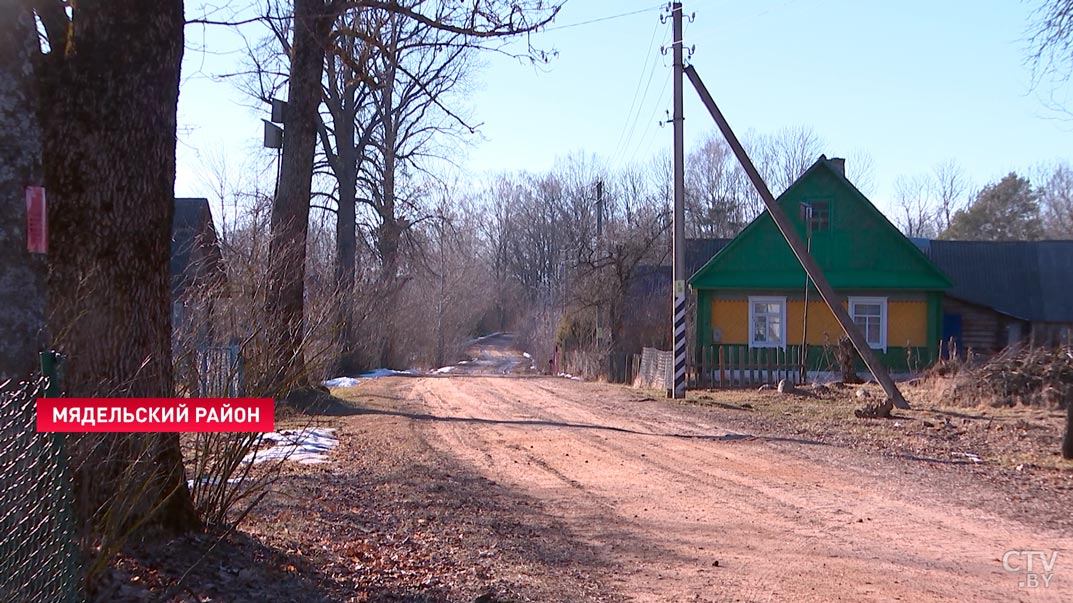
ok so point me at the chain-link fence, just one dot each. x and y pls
(655, 369)
(38, 541)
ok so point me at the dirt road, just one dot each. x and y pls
(689, 511)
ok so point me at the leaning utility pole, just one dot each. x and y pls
(679, 243)
(812, 269)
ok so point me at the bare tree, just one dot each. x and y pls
(925, 204)
(1050, 51)
(861, 170)
(313, 20)
(786, 154)
(916, 213)
(1056, 201)
(715, 204)
(950, 186)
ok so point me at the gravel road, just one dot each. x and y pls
(689, 511)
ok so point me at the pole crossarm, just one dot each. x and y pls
(830, 296)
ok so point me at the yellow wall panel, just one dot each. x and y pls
(907, 321)
(732, 316)
(821, 322)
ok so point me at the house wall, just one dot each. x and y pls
(983, 330)
(907, 321)
(912, 326)
(1052, 334)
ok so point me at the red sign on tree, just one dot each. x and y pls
(36, 220)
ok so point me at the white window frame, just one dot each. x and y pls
(782, 321)
(882, 302)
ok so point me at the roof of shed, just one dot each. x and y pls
(1030, 280)
(192, 226)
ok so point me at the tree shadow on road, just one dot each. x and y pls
(354, 409)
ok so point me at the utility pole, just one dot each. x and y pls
(679, 243)
(599, 250)
(599, 211)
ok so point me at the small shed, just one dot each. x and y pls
(1005, 293)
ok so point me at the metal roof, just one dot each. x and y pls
(653, 278)
(192, 226)
(1030, 280)
(699, 251)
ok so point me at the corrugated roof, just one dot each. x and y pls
(699, 251)
(1030, 280)
(650, 279)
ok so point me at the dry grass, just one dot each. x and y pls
(935, 428)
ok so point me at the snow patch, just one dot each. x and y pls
(306, 446)
(211, 481)
(483, 337)
(443, 370)
(527, 355)
(569, 376)
(383, 372)
(342, 382)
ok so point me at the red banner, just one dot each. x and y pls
(36, 220)
(155, 414)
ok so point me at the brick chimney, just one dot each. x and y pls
(839, 164)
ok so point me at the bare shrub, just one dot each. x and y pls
(1025, 376)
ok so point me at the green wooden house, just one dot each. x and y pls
(751, 295)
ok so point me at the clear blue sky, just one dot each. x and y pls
(912, 83)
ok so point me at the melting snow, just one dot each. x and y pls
(342, 382)
(527, 355)
(383, 372)
(373, 374)
(569, 376)
(444, 370)
(306, 446)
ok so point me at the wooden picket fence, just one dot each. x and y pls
(725, 366)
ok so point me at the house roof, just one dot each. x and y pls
(858, 250)
(195, 251)
(657, 278)
(1030, 280)
(699, 251)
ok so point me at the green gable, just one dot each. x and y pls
(859, 249)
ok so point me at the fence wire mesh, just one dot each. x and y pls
(38, 540)
(655, 369)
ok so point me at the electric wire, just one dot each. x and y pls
(602, 19)
(620, 143)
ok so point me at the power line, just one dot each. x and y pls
(652, 120)
(601, 19)
(640, 107)
(621, 142)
